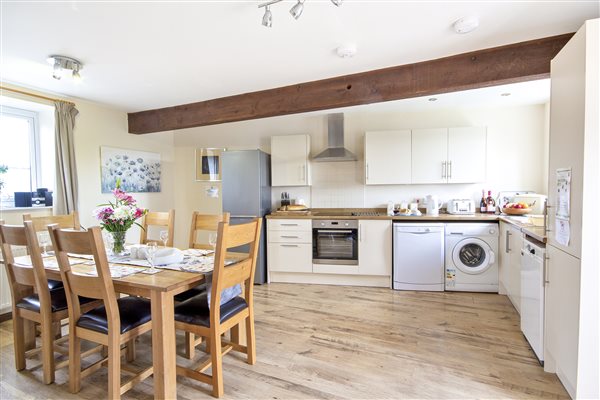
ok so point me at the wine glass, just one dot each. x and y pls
(44, 242)
(164, 237)
(212, 240)
(151, 249)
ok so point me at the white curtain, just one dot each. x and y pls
(65, 194)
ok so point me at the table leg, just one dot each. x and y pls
(163, 345)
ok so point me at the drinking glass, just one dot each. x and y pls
(212, 240)
(151, 249)
(108, 242)
(44, 238)
(164, 237)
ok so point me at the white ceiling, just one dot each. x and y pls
(143, 55)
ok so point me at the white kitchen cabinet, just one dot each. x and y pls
(511, 241)
(375, 247)
(562, 316)
(388, 157)
(449, 155)
(429, 155)
(5, 296)
(289, 245)
(467, 155)
(290, 160)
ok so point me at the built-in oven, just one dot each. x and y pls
(335, 242)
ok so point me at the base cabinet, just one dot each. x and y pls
(511, 242)
(289, 245)
(375, 247)
(563, 276)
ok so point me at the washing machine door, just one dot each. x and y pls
(473, 256)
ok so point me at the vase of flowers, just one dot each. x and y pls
(118, 216)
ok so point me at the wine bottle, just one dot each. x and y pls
(491, 203)
(483, 203)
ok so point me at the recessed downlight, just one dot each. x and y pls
(432, 99)
(505, 94)
(466, 24)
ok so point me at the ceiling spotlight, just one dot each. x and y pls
(62, 64)
(505, 94)
(337, 2)
(297, 9)
(466, 24)
(432, 99)
(267, 19)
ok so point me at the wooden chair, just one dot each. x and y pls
(195, 315)
(158, 218)
(68, 221)
(200, 222)
(46, 307)
(204, 222)
(119, 321)
(40, 224)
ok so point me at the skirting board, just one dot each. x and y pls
(331, 279)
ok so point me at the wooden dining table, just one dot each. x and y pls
(160, 289)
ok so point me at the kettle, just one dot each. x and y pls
(433, 205)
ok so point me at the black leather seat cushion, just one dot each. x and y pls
(134, 311)
(58, 301)
(195, 310)
(188, 294)
(53, 285)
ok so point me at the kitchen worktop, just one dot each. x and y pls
(536, 232)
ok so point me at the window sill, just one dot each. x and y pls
(5, 209)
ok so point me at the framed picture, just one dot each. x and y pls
(208, 164)
(139, 171)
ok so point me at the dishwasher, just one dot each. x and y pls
(418, 256)
(533, 277)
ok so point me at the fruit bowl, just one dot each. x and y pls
(516, 211)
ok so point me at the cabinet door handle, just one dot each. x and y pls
(290, 237)
(289, 224)
(289, 245)
(367, 171)
(444, 169)
(545, 270)
(450, 169)
(507, 243)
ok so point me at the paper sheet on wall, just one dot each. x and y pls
(562, 231)
(562, 228)
(563, 193)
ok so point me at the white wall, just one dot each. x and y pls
(97, 125)
(516, 157)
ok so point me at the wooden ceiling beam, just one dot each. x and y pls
(512, 63)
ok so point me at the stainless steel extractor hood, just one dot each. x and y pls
(336, 150)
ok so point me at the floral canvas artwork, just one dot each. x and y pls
(139, 171)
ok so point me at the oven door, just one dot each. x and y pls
(335, 246)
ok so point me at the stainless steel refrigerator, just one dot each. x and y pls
(246, 190)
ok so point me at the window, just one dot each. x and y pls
(24, 153)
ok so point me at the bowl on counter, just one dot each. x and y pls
(516, 211)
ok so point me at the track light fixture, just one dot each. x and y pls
(295, 11)
(61, 65)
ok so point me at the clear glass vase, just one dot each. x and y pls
(118, 247)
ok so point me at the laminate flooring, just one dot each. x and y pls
(338, 342)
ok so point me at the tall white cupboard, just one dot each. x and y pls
(572, 275)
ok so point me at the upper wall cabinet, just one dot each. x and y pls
(387, 157)
(289, 160)
(453, 155)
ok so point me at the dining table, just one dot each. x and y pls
(160, 288)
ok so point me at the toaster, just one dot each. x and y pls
(460, 206)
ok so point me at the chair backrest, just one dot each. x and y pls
(158, 218)
(229, 237)
(204, 222)
(97, 287)
(69, 221)
(24, 278)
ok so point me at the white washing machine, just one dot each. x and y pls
(472, 257)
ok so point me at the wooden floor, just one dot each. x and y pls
(333, 342)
